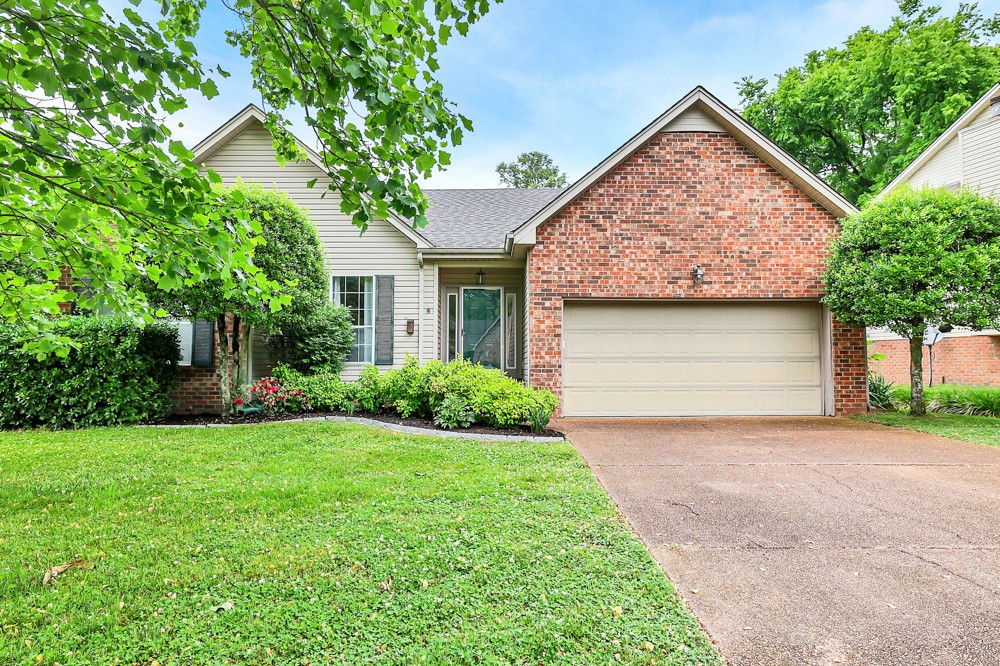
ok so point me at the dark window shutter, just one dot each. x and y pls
(203, 343)
(383, 319)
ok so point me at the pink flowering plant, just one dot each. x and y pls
(273, 398)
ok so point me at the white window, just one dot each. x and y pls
(357, 294)
(186, 330)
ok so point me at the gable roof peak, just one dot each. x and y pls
(732, 123)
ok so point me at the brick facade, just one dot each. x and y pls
(685, 199)
(198, 390)
(973, 360)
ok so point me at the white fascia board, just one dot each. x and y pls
(943, 140)
(252, 113)
(770, 152)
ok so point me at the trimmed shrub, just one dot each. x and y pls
(325, 390)
(369, 390)
(116, 373)
(955, 399)
(316, 342)
(494, 398)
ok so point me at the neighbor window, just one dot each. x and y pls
(357, 294)
(185, 329)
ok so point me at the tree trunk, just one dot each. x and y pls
(225, 367)
(917, 406)
(237, 353)
(243, 372)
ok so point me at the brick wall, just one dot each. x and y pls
(199, 390)
(681, 200)
(972, 360)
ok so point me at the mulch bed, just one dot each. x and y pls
(413, 422)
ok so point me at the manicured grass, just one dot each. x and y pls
(334, 543)
(979, 429)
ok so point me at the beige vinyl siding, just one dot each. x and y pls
(694, 120)
(943, 169)
(970, 158)
(981, 157)
(382, 250)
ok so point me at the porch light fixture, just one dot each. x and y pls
(995, 107)
(698, 274)
(481, 277)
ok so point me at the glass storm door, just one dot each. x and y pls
(482, 326)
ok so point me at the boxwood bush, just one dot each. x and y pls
(117, 373)
(955, 399)
(458, 388)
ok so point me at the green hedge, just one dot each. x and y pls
(118, 373)
(419, 390)
(954, 399)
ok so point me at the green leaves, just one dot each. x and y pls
(860, 113)
(532, 169)
(918, 257)
(100, 188)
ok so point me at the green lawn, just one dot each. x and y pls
(334, 543)
(979, 429)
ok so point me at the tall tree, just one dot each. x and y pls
(94, 183)
(859, 114)
(287, 247)
(532, 169)
(916, 258)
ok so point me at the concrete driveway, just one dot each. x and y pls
(814, 540)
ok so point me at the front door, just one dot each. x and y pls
(482, 325)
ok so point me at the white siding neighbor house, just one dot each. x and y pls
(966, 155)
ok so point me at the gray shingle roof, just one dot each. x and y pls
(480, 218)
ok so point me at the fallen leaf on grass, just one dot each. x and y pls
(52, 573)
(226, 606)
(386, 585)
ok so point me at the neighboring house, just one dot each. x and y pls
(681, 276)
(966, 155)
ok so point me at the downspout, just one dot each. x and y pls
(420, 308)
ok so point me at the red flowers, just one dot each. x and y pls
(275, 398)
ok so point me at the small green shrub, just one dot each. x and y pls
(539, 418)
(454, 412)
(879, 392)
(326, 391)
(407, 390)
(369, 390)
(117, 373)
(495, 398)
(955, 399)
(315, 342)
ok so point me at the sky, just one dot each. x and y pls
(577, 78)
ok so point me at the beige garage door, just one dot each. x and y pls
(688, 359)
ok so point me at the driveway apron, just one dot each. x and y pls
(814, 540)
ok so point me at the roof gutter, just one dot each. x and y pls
(470, 252)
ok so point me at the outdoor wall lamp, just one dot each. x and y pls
(481, 277)
(698, 274)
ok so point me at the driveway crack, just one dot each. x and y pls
(950, 571)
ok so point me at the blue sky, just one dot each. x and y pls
(577, 78)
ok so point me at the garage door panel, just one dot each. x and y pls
(650, 359)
